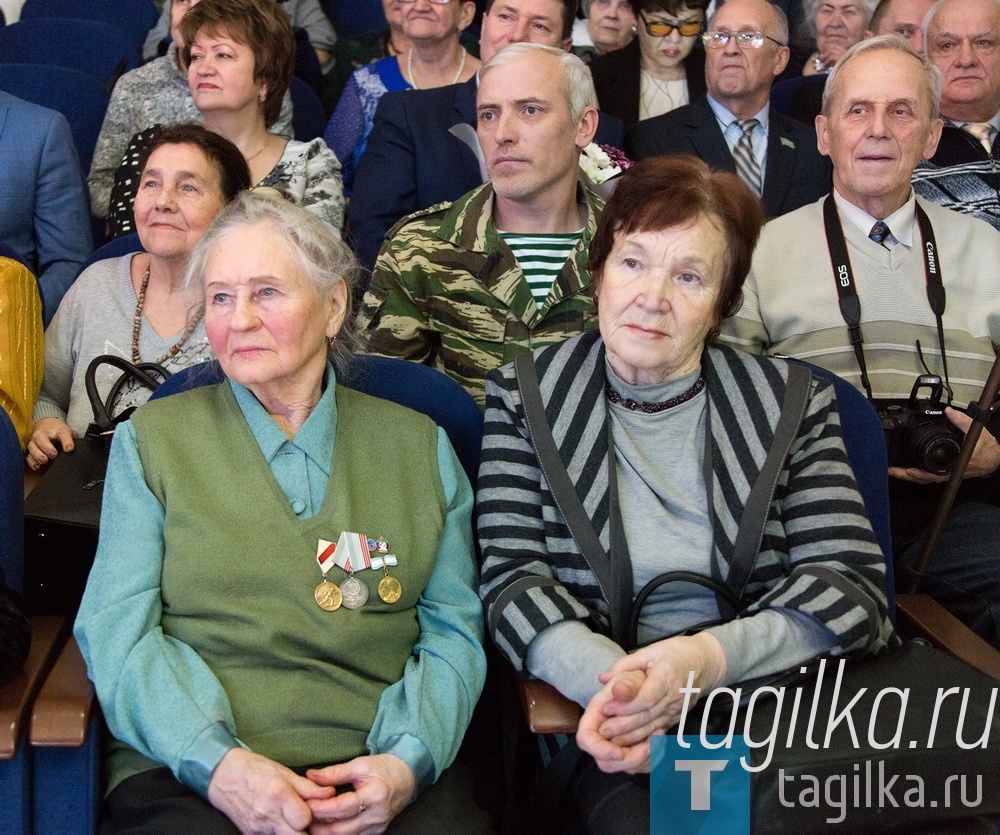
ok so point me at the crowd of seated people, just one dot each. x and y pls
(240, 57)
(466, 238)
(435, 58)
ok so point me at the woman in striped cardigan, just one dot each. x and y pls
(647, 416)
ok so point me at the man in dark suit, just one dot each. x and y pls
(44, 216)
(733, 127)
(412, 161)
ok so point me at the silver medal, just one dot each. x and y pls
(355, 593)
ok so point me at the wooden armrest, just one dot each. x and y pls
(16, 697)
(64, 704)
(920, 616)
(546, 710)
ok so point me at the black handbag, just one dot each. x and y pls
(63, 511)
(914, 667)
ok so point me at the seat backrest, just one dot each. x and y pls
(865, 444)
(783, 94)
(11, 505)
(307, 66)
(410, 384)
(114, 249)
(81, 98)
(96, 48)
(308, 118)
(352, 17)
(134, 17)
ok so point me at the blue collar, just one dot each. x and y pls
(315, 437)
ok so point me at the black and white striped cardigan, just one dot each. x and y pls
(818, 554)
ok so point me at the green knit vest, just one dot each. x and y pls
(240, 567)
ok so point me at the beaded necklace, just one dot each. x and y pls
(653, 408)
(137, 324)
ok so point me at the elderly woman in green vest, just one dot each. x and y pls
(281, 622)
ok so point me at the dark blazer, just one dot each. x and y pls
(616, 79)
(796, 173)
(412, 162)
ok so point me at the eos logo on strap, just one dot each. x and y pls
(843, 276)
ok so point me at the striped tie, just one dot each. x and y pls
(746, 163)
(980, 130)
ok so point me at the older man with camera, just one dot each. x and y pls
(890, 292)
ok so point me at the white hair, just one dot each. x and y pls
(810, 7)
(886, 43)
(324, 258)
(578, 85)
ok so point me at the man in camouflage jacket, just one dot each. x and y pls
(447, 289)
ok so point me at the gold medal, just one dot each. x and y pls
(355, 593)
(328, 596)
(389, 589)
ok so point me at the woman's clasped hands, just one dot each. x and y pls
(264, 798)
(642, 696)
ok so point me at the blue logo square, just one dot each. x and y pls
(697, 789)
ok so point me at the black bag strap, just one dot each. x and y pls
(142, 373)
(754, 518)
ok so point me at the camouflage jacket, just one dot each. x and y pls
(447, 291)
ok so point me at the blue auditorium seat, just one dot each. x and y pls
(90, 46)
(81, 98)
(134, 17)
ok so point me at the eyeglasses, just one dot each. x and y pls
(718, 38)
(660, 28)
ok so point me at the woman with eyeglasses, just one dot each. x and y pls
(435, 58)
(662, 69)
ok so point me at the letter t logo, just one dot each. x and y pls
(701, 780)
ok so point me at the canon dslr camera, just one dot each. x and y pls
(917, 432)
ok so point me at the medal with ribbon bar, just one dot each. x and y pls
(389, 588)
(328, 595)
(352, 554)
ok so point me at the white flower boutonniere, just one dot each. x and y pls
(599, 165)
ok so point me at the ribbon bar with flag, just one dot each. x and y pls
(324, 555)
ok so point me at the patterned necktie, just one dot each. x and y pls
(746, 163)
(980, 130)
(879, 233)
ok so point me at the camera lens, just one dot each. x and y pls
(933, 448)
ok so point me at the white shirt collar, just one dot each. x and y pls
(726, 118)
(900, 222)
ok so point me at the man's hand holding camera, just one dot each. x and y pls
(985, 458)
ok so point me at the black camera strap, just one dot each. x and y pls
(847, 291)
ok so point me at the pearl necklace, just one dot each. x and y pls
(653, 408)
(137, 324)
(409, 68)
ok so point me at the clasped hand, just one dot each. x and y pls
(264, 798)
(641, 697)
